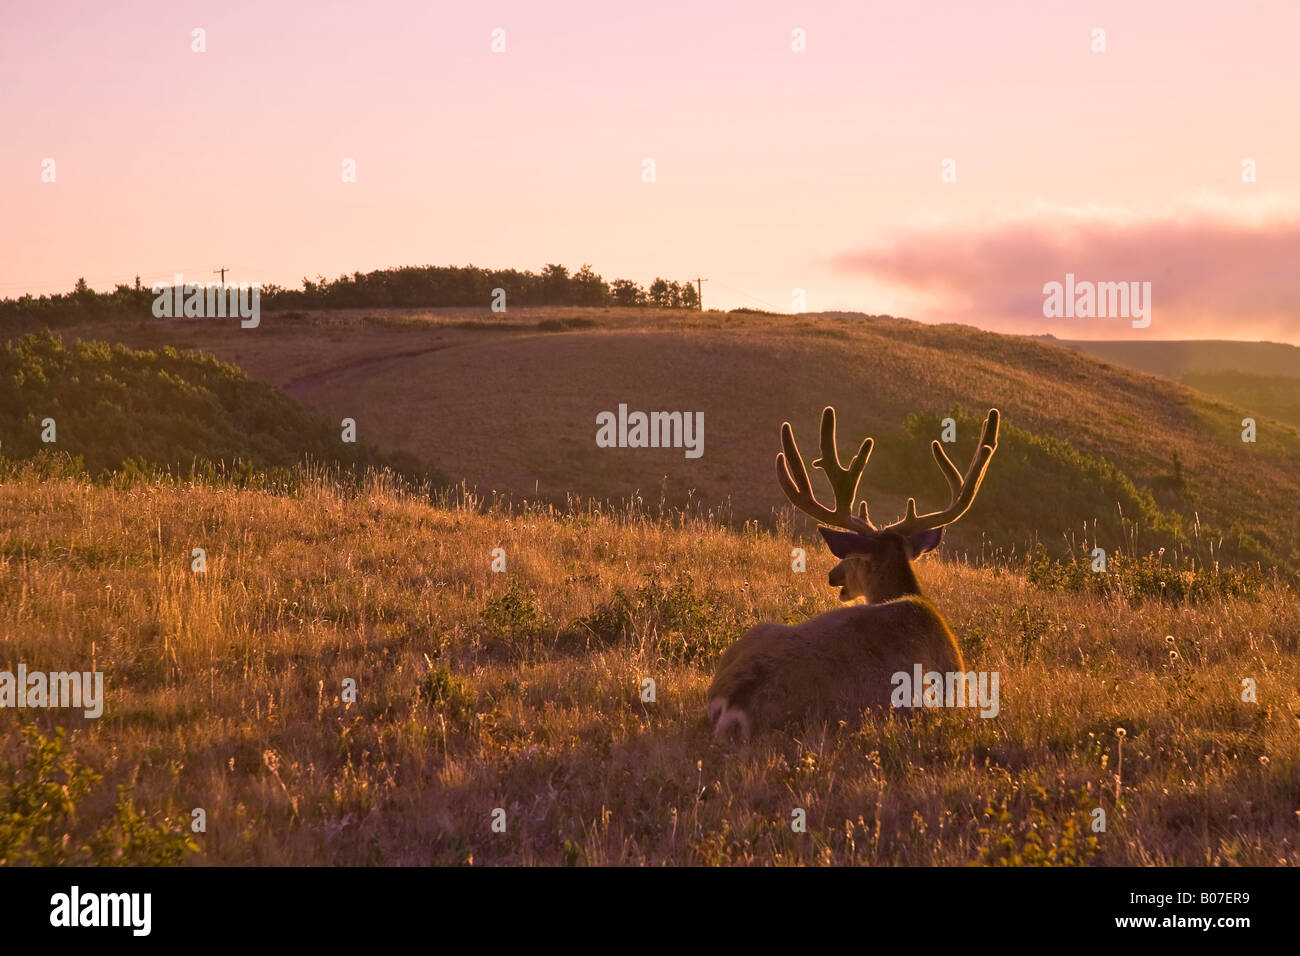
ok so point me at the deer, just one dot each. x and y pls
(840, 664)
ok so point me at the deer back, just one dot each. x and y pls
(834, 666)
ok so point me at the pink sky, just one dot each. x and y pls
(776, 171)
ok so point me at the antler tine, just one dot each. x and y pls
(844, 481)
(947, 467)
(963, 488)
(793, 477)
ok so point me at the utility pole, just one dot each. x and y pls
(223, 271)
(699, 291)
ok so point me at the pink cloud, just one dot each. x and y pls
(1210, 278)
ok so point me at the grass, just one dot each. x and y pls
(1274, 396)
(522, 691)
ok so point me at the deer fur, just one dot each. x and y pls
(840, 664)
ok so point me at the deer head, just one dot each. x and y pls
(876, 562)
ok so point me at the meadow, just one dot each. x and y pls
(522, 690)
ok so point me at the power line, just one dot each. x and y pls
(748, 296)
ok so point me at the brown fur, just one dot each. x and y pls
(838, 664)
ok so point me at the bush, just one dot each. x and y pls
(144, 413)
(38, 815)
(514, 615)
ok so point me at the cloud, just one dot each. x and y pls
(1211, 276)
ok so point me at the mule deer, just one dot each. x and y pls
(841, 663)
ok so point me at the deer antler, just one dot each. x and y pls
(963, 489)
(793, 476)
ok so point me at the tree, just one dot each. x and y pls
(690, 299)
(588, 288)
(660, 293)
(555, 283)
(627, 292)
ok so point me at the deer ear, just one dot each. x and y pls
(844, 543)
(924, 541)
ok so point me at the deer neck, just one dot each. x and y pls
(893, 579)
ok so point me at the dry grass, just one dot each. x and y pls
(521, 691)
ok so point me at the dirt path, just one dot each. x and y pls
(299, 386)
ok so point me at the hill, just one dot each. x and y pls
(1175, 359)
(1261, 377)
(1092, 452)
(1277, 396)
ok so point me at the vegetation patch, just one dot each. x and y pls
(116, 411)
(40, 796)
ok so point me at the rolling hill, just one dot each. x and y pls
(1262, 377)
(1277, 396)
(510, 403)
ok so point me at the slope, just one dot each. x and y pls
(511, 407)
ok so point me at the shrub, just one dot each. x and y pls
(145, 413)
(38, 815)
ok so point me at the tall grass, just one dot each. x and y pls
(522, 691)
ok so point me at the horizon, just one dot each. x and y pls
(784, 162)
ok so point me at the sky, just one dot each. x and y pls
(793, 180)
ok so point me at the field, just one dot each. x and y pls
(348, 680)
(522, 691)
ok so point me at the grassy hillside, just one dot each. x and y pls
(1262, 378)
(521, 691)
(1175, 359)
(114, 407)
(1092, 452)
(1277, 396)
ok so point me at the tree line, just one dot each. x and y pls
(405, 286)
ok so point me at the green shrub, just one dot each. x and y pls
(1030, 829)
(139, 414)
(38, 815)
(690, 626)
(514, 615)
(450, 695)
